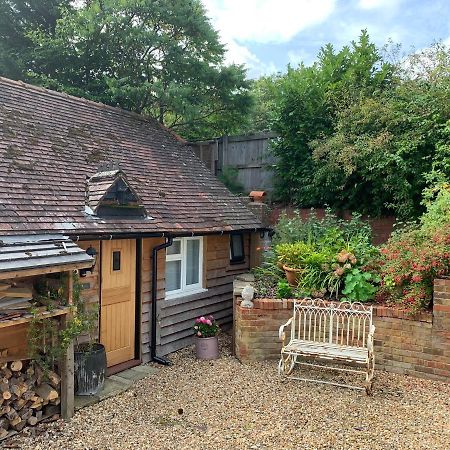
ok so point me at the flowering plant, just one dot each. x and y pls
(205, 327)
(410, 262)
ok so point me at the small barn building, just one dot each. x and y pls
(163, 229)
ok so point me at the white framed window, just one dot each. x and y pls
(184, 267)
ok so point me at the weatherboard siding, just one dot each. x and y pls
(176, 316)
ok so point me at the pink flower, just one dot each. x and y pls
(208, 322)
(197, 320)
(202, 319)
(199, 334)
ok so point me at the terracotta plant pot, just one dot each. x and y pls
(292, 275)
(207, 348)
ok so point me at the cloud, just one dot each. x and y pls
(241, 22)
(374, 4)
(265, 21)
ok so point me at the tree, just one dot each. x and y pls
(384, 148)
(17, 19)
(156, 57)
(307, 111)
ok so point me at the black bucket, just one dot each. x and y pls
(90, 369)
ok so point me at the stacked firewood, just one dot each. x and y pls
(28, 394)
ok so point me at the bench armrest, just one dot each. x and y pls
(281, 333)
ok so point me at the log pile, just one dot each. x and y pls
(27, 396)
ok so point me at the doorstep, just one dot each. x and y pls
(115, 384)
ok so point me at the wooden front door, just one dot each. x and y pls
(118, 302)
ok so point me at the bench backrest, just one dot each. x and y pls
(340, 323)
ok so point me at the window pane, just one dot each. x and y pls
(174, 249)
(237, 247)
(192, 261)
(116, 260)
(173, 275)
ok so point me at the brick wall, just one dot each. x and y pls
(418, 346)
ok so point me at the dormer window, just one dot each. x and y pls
(109, 194)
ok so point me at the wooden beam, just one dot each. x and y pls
(67, 377)
(43, 270)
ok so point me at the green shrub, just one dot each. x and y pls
(360, 286)
(294, 255)
(284, 290)
(229, 177)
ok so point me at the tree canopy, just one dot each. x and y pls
(358, 131)
(157, 57)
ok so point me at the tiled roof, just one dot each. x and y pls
(52, 143)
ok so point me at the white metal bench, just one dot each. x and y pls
(341, 332)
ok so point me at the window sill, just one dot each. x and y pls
(185, 293)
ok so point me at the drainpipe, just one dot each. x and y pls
(155, 250)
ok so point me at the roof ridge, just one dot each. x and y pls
(100, 105)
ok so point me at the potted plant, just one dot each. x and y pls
(206, 342)
(293, 258)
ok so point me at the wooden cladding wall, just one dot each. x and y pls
(176, 316)
(147, 247)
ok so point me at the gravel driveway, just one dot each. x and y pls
(226, 405)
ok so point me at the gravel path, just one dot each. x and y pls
(226, 405)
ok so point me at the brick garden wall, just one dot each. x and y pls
(418, 346)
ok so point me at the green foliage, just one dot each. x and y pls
(437, 203)
(46, 342)
(325, 249)
(284, 290)
(18, 18)
(229, 177)
(307, 109)
(295, 255)
(359, 286)
(358, 131)
(161, 58)
(267, 276)
(205, 327)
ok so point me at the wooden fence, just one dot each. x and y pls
(248, 154)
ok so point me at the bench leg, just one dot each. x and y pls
(370, 373)
(286, 365)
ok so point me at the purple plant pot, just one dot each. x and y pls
(207, 348)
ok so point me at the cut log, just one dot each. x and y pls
(32, 420)
(28, 395)
(20, 426)
(54, 379)
(4, 423)
(11, 415)
(46, 392)
(4, 409)
(16, 366)
(19, 404)
(15, 421)
(26, 413)
(6, 395)
(3, 433)
(6, 373)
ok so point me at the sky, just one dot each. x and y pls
(266, 35)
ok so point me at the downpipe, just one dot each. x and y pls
(155, 250)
